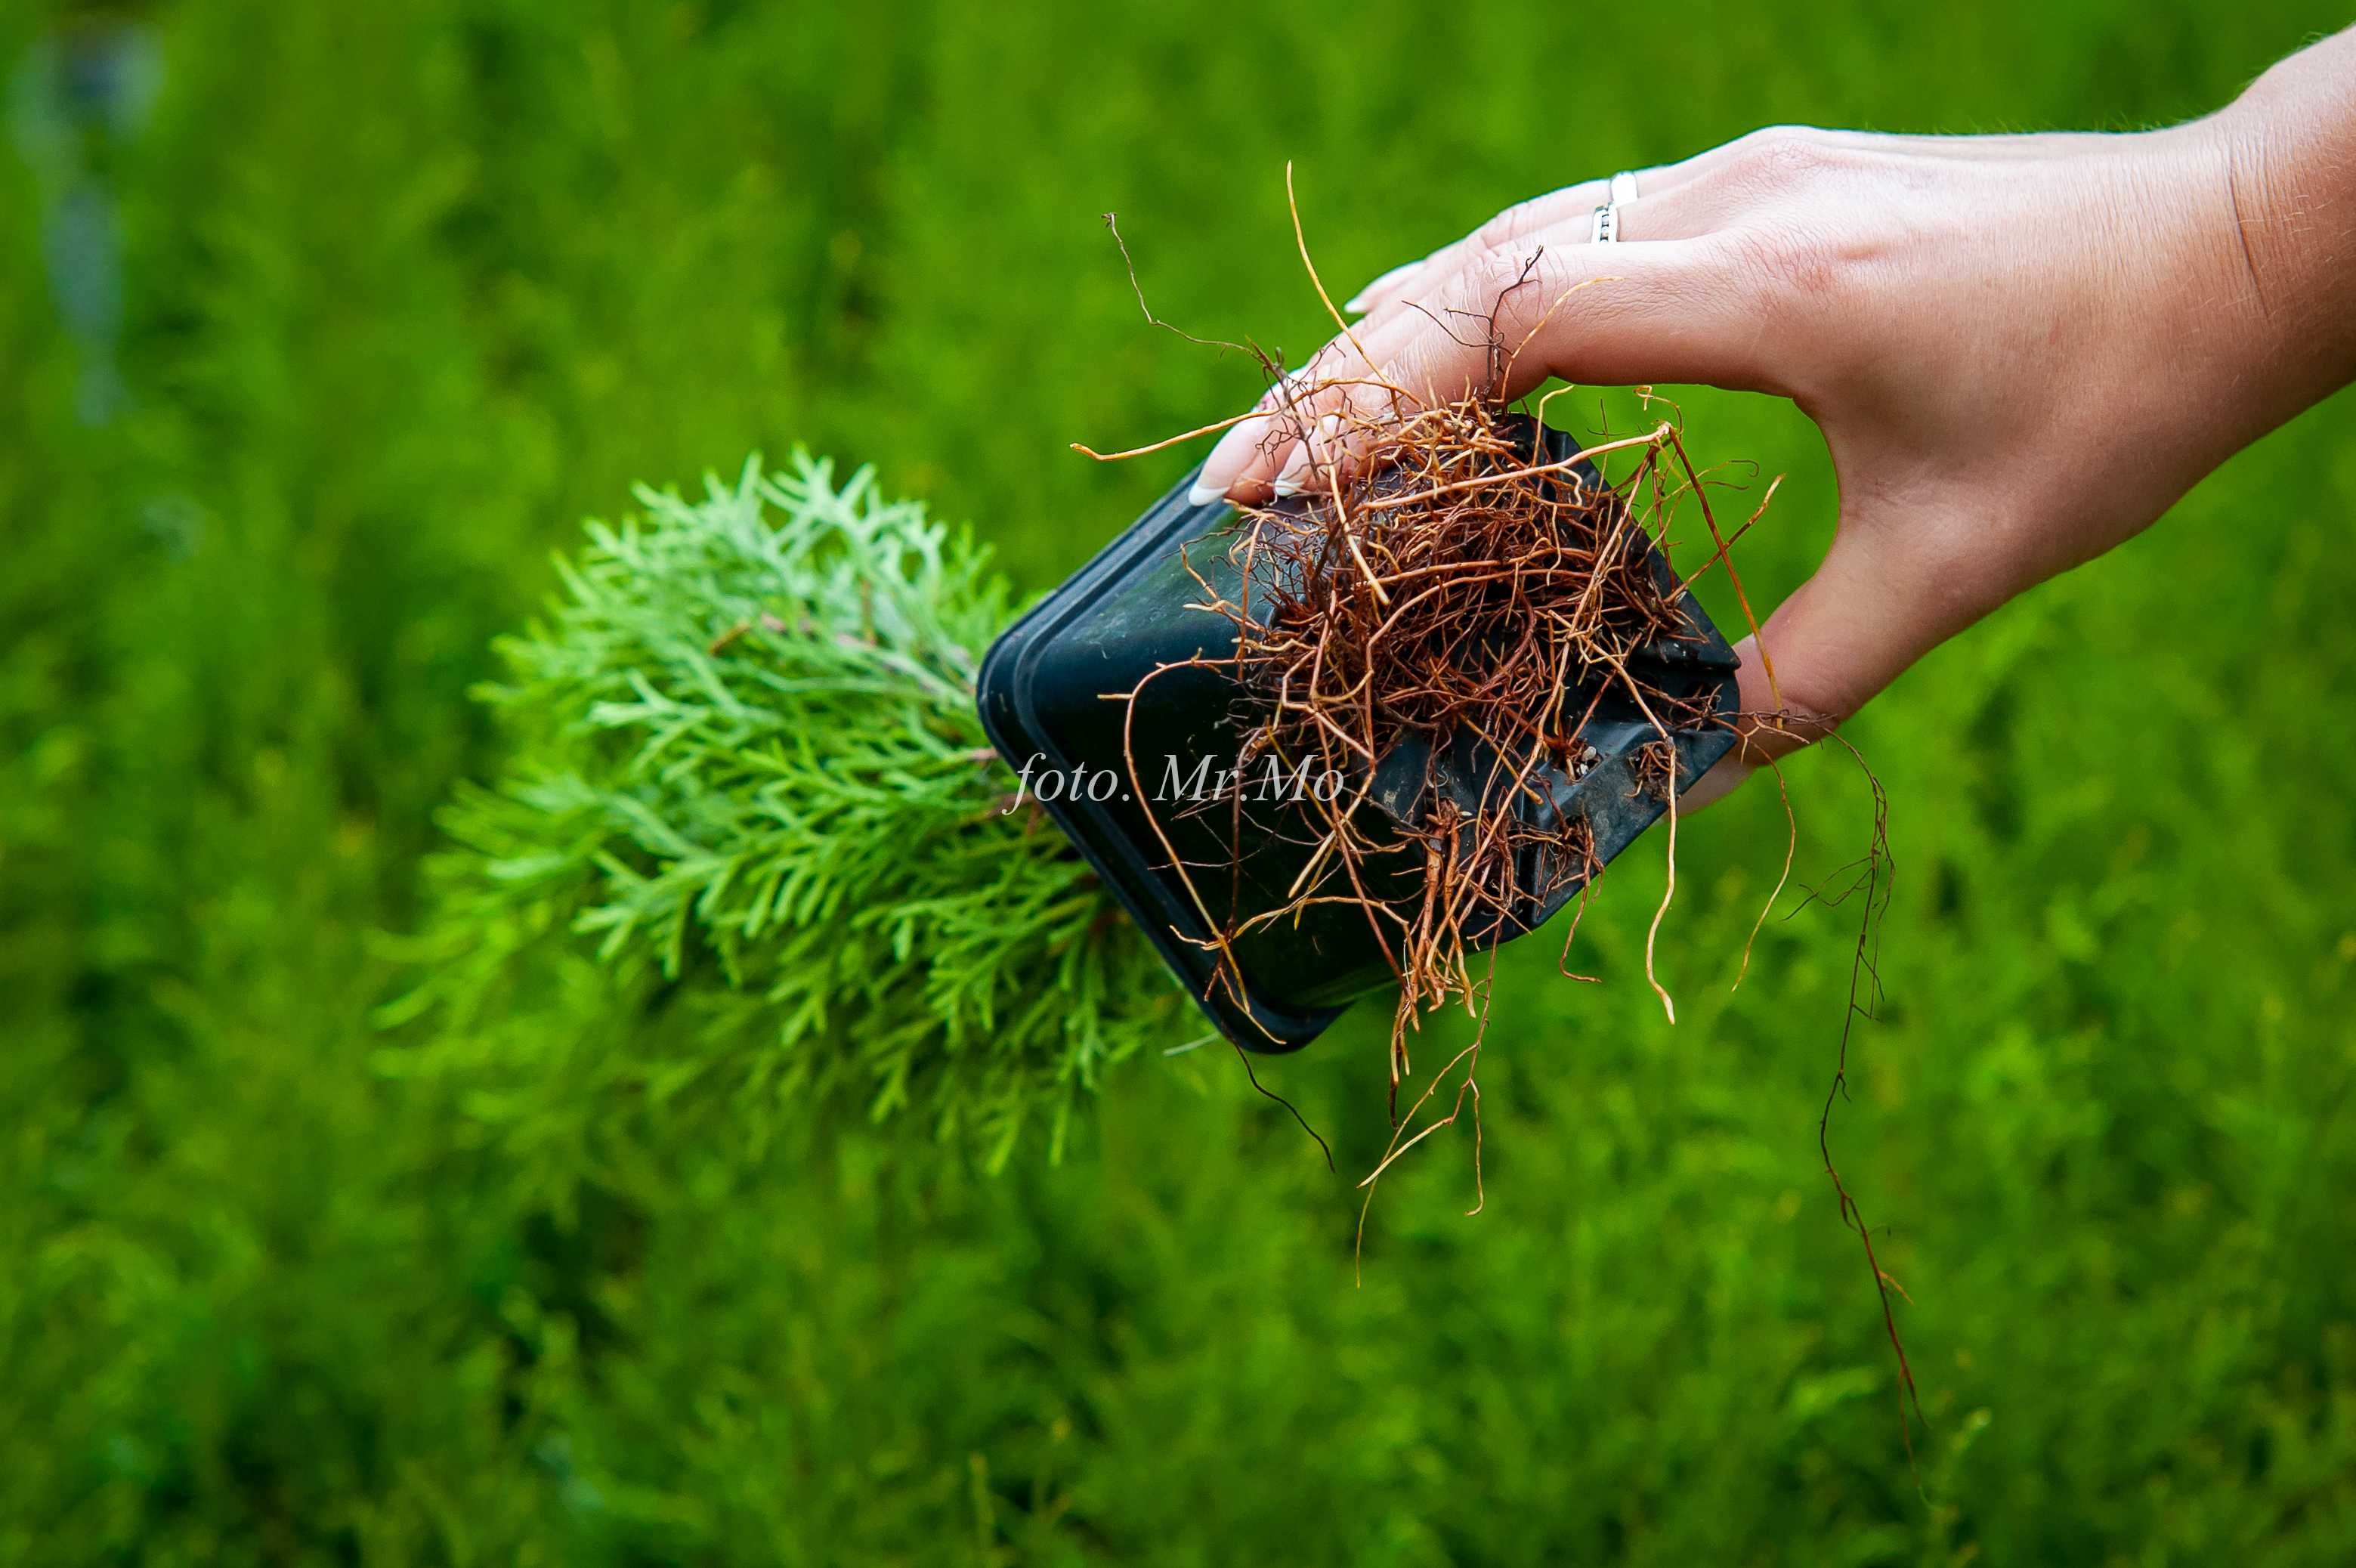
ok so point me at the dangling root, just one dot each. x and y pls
(1869, 885)
(1668, 892)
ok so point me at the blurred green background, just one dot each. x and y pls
(408, 289)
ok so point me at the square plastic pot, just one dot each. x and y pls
(1049, 694)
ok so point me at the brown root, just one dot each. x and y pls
(1436, 576)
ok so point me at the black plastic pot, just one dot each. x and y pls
(1049, 691)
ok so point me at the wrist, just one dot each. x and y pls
(2178, 334)
(2287, 153)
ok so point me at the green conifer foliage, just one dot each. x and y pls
(753, 853)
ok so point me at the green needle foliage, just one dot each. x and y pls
(751, 807)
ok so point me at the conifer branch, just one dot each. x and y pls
(751, 850)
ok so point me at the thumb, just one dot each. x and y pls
(1885, 595)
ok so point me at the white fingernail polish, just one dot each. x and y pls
(1326, 450)
(1289, 479)
(1312, 457)
(1204, 494)
(1230, 456)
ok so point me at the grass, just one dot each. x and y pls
(412, 288)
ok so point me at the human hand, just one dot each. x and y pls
(2021, 350)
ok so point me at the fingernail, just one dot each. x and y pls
(1714, 785)
(1204, 494)
(1230, 456)
(1318, 449)
(1296, 469)
(1359, 301)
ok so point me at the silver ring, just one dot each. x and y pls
(1624, 186)
(1606, 228)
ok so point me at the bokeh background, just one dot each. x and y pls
(322, 326)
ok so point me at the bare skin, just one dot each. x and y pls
(2020, 351)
